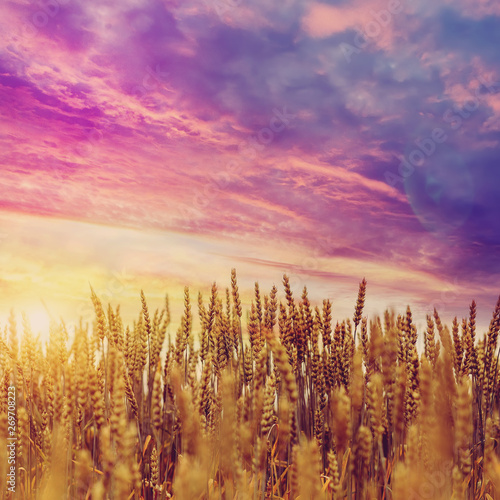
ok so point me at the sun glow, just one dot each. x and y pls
(39, 320)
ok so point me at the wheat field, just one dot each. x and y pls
(280, 402)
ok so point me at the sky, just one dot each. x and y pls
(153, 144)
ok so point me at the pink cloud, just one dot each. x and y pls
(376, 19)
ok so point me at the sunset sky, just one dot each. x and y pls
(155, 144)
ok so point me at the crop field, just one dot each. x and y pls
(283, 401)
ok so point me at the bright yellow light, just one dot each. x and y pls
(39, 320)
